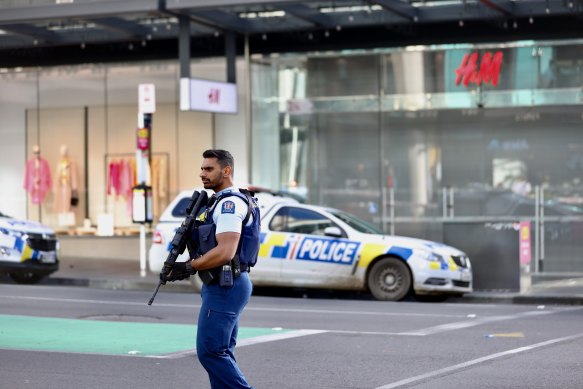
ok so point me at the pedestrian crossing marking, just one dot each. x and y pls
(106, 337)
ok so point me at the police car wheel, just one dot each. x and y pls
(25, 278)
(389, 279)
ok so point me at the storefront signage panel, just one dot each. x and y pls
(488, 70)
(147, 98)
(208, 96)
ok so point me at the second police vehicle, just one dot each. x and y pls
(319, 247)
(28, 250)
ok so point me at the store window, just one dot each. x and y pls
(84, 121)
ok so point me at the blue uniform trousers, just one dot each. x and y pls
(218, 323)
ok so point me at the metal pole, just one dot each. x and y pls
(384, 209)
(249, 110)
(542, 229)
(451, 203)
(444, 201)
(143, 250)
(392, 209)
(536, 227)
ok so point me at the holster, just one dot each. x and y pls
(211, 276)
(207, 276)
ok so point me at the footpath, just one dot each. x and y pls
(125, 274)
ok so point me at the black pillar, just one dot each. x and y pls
(184, 46)
(231, 55)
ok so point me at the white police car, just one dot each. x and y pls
(318, 247)
(28, 250)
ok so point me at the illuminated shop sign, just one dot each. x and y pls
(487, 71)
(208, 96)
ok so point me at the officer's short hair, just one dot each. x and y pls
(224, 158)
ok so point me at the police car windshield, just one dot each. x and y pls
(356, 223)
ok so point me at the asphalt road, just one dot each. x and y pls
(68, 337)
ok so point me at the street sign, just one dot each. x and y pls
(147, 98)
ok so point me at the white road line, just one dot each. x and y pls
(372, 313)
(247, 342)
(473, 362)
(248, 308)
(370, 333)
(471, 323)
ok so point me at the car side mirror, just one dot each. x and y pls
(334, 232)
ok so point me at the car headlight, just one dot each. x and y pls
(16, 234)
(430, 256)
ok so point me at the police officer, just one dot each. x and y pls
(234, 220)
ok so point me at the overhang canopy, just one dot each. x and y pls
(46, 32)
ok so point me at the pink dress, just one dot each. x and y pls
(37, 179)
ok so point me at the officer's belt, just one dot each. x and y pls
(211, 276)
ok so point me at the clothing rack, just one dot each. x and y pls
(108, 157)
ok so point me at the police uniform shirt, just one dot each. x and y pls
(230, 212)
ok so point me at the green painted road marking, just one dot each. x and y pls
(103, 337)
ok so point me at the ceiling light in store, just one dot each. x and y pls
(265, 14)
(326, 33)
(461, 23)
(264, 37)
(354, 8)
(71, 26)
(531, 20)
(82, 45)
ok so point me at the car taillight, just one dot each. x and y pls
(157, 238)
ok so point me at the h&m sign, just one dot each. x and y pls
(488, 70)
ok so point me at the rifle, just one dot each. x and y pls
(182, 236)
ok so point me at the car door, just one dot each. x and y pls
(309, 257)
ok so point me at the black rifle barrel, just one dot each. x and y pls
(198, 200)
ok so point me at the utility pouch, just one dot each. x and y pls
(206, 238)
(226, 276)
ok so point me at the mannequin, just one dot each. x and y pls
(37, 177)
(65, 181)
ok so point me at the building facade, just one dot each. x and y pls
(413, 139)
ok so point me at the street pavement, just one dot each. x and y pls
(70, 337)
(125, 274)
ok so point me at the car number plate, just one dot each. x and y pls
(47, 257)
(465, 276)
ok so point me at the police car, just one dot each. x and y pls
(318, 247)
(28, 250)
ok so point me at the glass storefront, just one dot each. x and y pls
(82, 122)
(395, 137)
